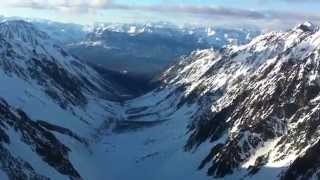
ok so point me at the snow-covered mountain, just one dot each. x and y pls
(245, 112)
(50, 102)
(214, 36)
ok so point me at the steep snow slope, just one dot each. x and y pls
(246, 112)
(35, 69)
(62, 101)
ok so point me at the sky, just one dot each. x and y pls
(268, 14)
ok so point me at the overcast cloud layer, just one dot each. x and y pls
(65, 5)
(197, 11)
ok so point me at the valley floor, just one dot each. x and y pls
(152, 153)
(142, 147)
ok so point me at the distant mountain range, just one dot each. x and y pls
(138, 52)
(140, 49)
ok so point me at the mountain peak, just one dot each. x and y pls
(20, 30)
(307, 26)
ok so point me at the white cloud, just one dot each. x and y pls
(84, 6)
(74, 5)
(173, 11)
